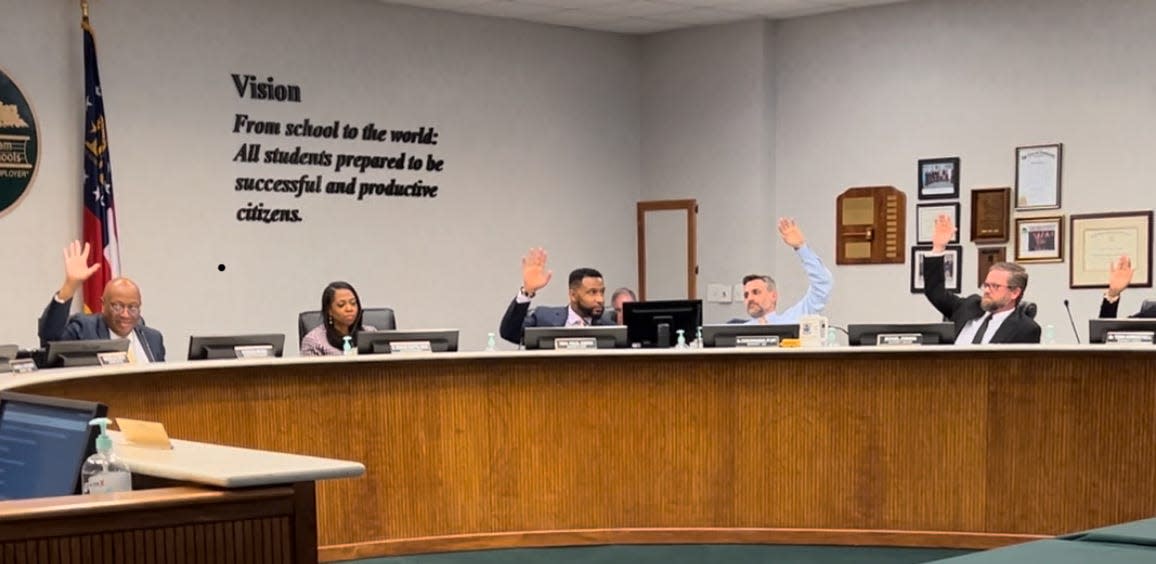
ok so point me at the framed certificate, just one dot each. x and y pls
(938, 179)
(1099, 239)
(925, 215)
(1038, 170)
(952, 268)
(1040, 239)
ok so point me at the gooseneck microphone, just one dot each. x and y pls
(1072, 321)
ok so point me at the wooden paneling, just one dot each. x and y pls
(163, 526)
(992, 443)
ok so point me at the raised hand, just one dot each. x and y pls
(1119, 275)
(791, 233)
(535, 276)
(76, 269)
(943, 233)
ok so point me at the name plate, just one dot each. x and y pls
(757, 341)
(402, 347)
(22, 365)
(1129, 337)
(112, 358)
(898, 339)
(254, 351)
(575, 343)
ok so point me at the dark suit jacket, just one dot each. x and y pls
(1017, 328)
(55, 325)
(519, 316)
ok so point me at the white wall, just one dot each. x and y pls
(538, 126)
(859, 96)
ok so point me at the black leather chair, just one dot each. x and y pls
(381, 318)
(1028, 309)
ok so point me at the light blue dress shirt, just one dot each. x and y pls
(818, 292)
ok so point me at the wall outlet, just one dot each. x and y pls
(718, 293)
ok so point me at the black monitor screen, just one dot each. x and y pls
(1147, 310)
(43, 443)
(929, 333)
(384, 342)
(82, 353)
(205, 348)
(1100, 329)
(656, 323)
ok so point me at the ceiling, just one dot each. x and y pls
(639, 16)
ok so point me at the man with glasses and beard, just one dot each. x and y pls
(587, 300)
(120, 318)
(993, 318)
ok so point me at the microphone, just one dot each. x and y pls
(1072, 321)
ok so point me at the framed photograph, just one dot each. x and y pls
(1040, 239)
(1098, 239)
(925, 215)
(952, 267)
(938, 179)
(988, 256)
(990, 215)
(1038, 171)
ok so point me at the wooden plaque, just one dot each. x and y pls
(988, 256)
(991, 215)
(871, 226)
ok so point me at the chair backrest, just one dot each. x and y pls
(381, 318)
(1028, 309)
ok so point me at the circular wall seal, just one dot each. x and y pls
(19, 144)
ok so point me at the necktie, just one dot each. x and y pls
(978, 340)
(131, 356)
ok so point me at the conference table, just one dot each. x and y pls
(959, 447)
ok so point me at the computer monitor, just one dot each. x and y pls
(384, 342)
(82, 353)
(1147, 310)
(202, 347)
(900, 333)
(733, 335)
(605, 336)
(656, 323)
(1099, 329)
(45, 441)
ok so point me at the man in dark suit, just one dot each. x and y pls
(587, 299)
(993, 318)
(120, 318)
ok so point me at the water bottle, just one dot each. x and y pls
(491, 346)
(1049, 334)
(104, 472)
(347, 346)
(832, 337)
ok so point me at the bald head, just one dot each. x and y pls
(121, 305)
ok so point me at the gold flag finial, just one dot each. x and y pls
(84, 9)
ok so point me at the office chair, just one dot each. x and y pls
(381, 318)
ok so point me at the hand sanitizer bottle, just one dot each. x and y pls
(697, 338)
(103, 472)
(681, 344)
(347, 347)
(491, 346)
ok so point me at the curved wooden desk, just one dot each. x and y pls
(956, 447)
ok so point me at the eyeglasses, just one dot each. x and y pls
(993, 287)
(121, 308)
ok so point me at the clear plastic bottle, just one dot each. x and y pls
(681, 344)
(1049, 334)
(491, 344)
(347, 346)
(104, 472)
(697, 338)
(832, 337)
